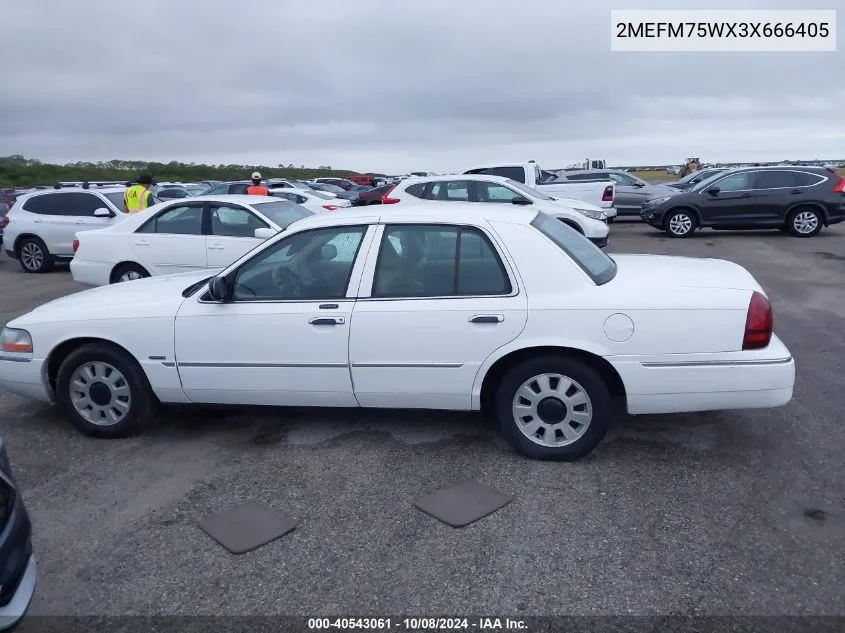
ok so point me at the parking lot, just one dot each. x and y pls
(719, 513)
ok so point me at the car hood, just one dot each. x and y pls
(668, 271)
(153, 296)
(657, 191)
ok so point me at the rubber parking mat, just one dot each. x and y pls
(463, 503)
(247, 527)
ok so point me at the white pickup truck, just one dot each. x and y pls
(598, 192)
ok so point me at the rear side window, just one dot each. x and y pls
(806, 179)
(238, 188)
(452, 190)
(44, 205)
(589, 257)
(76, 204)
(180, 220)
(417, 190)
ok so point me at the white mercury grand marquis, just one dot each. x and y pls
(470, 307)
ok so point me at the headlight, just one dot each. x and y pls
(15, 341)
(655, 201)
(590, 213)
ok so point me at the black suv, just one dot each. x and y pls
(17, 565)
(796, 199)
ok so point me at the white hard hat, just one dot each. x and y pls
(256, 175)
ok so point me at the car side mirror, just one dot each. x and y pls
(713, 191)
(264, 234)
(521, 201)
(329, 251)
(639, 185)
(219, 289)
(102, 212)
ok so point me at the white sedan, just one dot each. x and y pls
(587, 219)
(313, 200)
(476, 307)
(179, 236)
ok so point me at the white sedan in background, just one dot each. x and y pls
(472, 307)
(586, 218)
(313, 200)
(179, 236)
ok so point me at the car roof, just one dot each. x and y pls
(450, 177)
(232, 197)
(452, 212)
(63, 190)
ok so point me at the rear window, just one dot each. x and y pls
(282, 212)
(592, 260)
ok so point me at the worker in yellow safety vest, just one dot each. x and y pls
(139, 197)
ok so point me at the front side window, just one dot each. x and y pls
(438, 261)
(494, 192)
(80, 204)
(589, 257)
(311, 265)
(238, 188)
(230, 221)
(742, 181)
(452, 190)
(180, 220)
(116, 198)
(219, 190)
(623, 180)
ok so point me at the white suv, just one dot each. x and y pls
(40, 227)
(587, 219)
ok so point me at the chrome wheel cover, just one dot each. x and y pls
(100, 393)
(32, 256)
(680, 224)
(805, 222)
(552, 410)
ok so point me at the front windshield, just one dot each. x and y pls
(533, 193)
(116, 198)
(592, 260)
(324, 186)
(282, 212)
(707, 181)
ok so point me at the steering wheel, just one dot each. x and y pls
(286, 280)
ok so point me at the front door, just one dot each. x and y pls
(435, 303)
(172, 241)
(283, 339)
(232, 234)
(630, 194)
(736, 204)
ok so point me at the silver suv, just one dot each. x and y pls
(40, 227)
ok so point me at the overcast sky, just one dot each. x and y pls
(397, 85)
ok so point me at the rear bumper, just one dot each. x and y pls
(90, 273)
(709, 382)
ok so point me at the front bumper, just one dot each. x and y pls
(25, 377)
(601, 242)
(652, 217)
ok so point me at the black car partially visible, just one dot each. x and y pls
(796, 199)
(17, 563)
(690, 180)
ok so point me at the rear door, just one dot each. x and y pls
(173, 241)
(231, 234)
(77, 210)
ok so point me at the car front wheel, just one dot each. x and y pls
(680, 223)
(804, 222)
(104, 392)
(554, 408)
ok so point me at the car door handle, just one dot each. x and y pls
(796, 191)
(216, 247)
(487, 318)
(38, 221)
(327, 321)
(80, 222)
(141, 243)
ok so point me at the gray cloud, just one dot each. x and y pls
(393, 86)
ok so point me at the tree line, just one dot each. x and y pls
(18, 171)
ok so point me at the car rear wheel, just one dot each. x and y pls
(34, 256)
(554, 408)
(680, 223)
(804, 222)
(103, 391)
(129, 272)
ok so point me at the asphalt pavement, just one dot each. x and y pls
(718, 513)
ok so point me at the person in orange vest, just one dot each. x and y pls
(139, 197)
(256, 188)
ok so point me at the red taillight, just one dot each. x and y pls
(840, 186)
(75, 245)
(331, 207)
(4, 222)
(607, 196)
(386, 199)
(759, 323)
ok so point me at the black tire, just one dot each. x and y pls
(124, 269)
(142, 400)
(33, 255)
(680, 219)
(804, 222)
(604, 408)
